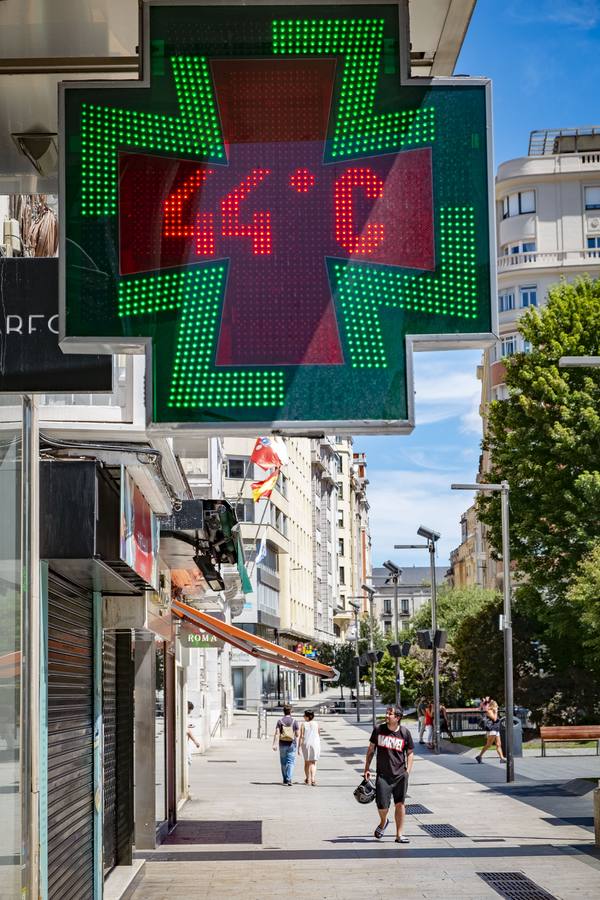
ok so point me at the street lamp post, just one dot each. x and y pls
(504, 490)
(356, 607)
(431, 537)
(395, 573)
(371, 594)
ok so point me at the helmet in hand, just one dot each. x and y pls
(365, 792)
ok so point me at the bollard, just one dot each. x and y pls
(259, 724)
(597, 815)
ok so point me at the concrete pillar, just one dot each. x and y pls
(145, 746)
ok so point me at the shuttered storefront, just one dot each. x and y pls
(117, 703)
(70, 742)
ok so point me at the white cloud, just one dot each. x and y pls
(581, 14)
(400, 501)
(446, 387)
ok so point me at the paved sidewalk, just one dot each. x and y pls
(256, 838)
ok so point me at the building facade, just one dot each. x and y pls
(414, 591)
(548, 229)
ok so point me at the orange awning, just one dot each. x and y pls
(250, 643)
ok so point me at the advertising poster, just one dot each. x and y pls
(139, 531)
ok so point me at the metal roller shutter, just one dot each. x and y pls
(117, 701)
(109, 718)
(70, 742)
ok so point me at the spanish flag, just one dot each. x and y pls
(264, 488)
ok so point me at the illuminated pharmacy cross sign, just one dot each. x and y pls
(277, 212)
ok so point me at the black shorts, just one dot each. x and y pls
(385, 790)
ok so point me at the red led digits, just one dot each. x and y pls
(302, 180)
(260, 229)
(373, 234)
(173, 224)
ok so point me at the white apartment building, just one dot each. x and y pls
(414, 591)
(548, 227)
(325, 474)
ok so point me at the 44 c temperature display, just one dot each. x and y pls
(276, 212)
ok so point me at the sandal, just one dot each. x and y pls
(380, 830)
(402, 839)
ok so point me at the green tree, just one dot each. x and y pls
(418, 677)
(341, 657)
(545, 440)
(453, 605)
(584, 596)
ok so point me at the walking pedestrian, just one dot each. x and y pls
(310, 746)
(421, 707)
(286, 738)
(394, 746)
(190, 735)
(491, 726)
(429, 725)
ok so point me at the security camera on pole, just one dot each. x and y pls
(437, 637)
(395, 573)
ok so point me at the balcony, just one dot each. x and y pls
(544, 260)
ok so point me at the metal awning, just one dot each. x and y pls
(251, 643)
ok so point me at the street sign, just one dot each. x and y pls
(276, 213)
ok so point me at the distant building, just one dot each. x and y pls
(414, 591)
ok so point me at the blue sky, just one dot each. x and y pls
(543, 60)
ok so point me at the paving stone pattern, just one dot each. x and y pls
(317, 842)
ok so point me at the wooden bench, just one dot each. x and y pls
(551, 734)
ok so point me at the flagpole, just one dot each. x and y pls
(257, 533)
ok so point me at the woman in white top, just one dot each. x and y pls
(309, 746)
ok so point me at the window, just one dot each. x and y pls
(518, 204)
(342, 575)
(405, 606)
(523, 247)
(236, 466)
(245, 511)
(528, 296)
(526, 347)
(387, 607)
(387, 628)
(338, 464)
(506, 301)
(592, 198)
(282, 484)
(271, 560)
(593, 243)
(341, 546)
(340, 520)
(340, 488)
(509, 344)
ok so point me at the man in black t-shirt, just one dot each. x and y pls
(394, 746)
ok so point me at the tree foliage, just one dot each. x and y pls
(545, 441)
(341, 657)
(452, 606)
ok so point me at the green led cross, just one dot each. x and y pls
(107, 129)
(198, 293)
(364, 290)
(358, 129)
